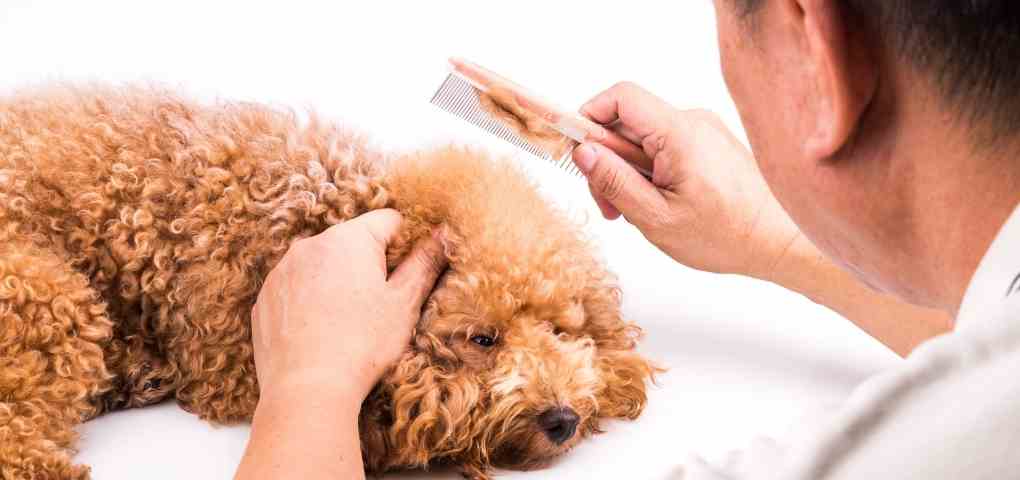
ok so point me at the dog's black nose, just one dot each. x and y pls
(559, 424)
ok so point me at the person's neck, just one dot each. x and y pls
(959, 197)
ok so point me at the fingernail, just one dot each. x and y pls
(584, 158)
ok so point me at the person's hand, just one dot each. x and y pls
(707, 205)
(327, 313)
(327, 324)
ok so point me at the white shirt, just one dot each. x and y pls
(951, 411)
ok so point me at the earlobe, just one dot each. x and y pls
(846, 78)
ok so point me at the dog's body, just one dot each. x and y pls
(136, 228)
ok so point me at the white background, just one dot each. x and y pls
(745, 358)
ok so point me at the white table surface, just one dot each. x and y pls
(746, 358)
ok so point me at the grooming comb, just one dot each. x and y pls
(509, 111)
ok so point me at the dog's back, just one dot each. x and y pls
(163, 214)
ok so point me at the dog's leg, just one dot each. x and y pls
(218, 369)
(225, 395)
(144, 377)
(474, 472)
(52, 370)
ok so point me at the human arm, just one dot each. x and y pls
(327, 323)
(708, 207)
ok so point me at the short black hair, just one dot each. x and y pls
(970, 48)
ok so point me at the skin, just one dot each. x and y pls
(709, 207)
(329, 311)
(865, 195)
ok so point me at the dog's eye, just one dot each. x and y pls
(484, 340)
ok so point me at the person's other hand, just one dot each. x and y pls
(707, 205)
(327, 313)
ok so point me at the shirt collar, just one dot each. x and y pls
(997, 277)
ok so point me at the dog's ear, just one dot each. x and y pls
(624, 372)
(625, 375)
(604, 321)
(431, 404)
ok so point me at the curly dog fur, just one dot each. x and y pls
(136, 227)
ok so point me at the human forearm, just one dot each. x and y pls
(898, 325)
(708, 207)
(311, 437)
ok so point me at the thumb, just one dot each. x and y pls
(418, 272)
(617, 182)
(382, 225)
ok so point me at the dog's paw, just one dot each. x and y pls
(474, 472)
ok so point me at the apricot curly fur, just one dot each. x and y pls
(136, 227)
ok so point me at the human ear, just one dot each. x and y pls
(844, 75)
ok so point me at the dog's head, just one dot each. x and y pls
(521, 349)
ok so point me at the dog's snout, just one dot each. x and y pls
(559, 424)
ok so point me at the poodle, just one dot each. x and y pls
(136, 227)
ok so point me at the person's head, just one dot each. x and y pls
(853, 108)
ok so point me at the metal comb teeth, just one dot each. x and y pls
(460, 97)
